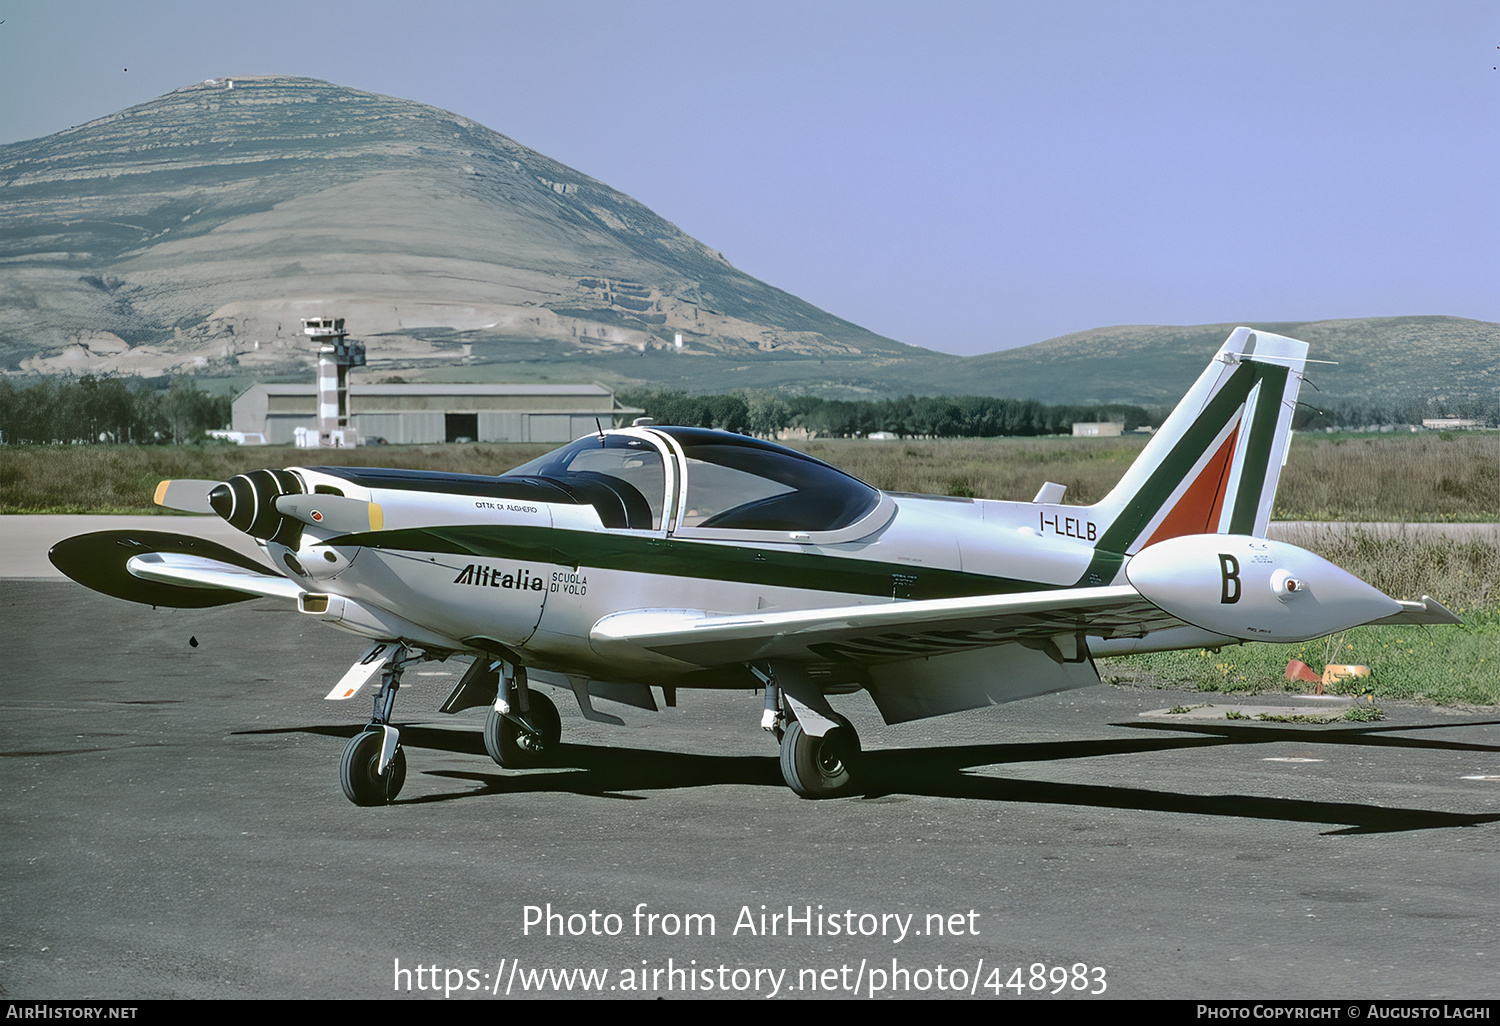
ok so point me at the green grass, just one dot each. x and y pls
(1444, 665)
(1354, 714)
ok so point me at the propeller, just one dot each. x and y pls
(186, 494)
(262, 503)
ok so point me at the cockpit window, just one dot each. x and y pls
(739, 483)
(620, 476)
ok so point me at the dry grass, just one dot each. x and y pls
(1392, 478)
(1458, 573)
(989, 468)
(1452, 476)
(122, 478)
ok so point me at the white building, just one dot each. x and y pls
(1101, 429)
(425, 413)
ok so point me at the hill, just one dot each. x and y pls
(1380, 361)
(197, 228)
(194, 230)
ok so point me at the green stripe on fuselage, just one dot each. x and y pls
(670, 557)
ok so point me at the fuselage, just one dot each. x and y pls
(654, 519)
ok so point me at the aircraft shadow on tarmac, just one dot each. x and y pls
(946, 772)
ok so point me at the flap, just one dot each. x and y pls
(882, 632)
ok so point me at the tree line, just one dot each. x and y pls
(1314, 413)
(965, 416)
(91, 409)
(975, 416)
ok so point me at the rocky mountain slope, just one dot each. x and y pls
(197, 228)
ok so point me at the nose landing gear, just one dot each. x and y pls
(373, 766)
(359, 772)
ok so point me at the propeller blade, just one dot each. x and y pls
(333, 512)
(186, 494)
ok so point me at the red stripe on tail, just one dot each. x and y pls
(1197, 512)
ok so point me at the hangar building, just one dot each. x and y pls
(426, 413)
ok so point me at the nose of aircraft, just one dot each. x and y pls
(246, 501)
(221, 500)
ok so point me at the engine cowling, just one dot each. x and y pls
(1254, 588)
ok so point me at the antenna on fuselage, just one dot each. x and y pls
(601, 430)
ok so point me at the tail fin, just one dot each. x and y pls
(1214, 465)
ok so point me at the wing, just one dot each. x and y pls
(887, 632)
(165, 569)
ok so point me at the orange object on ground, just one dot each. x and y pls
(1338, 671)
(1298, 670)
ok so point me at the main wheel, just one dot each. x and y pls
(820, 767)
(516, 747)
(362, 785)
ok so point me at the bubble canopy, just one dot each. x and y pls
(733, 482)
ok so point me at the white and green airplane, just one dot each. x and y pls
(688, 558)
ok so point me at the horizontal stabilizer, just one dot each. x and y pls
(1428, 611)
(100, 561)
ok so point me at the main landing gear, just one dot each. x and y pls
(812, 766)
(820, 767)
(528, 733)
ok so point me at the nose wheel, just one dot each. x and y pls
(359, 770)
(373, 766)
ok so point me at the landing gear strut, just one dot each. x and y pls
(529, 732)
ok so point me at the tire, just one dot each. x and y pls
(820, 767)
(515, 747)
(362, 785)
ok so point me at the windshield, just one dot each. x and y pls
(739, 483)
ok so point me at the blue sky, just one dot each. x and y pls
(964, 176)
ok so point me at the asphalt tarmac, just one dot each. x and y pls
(171, 825)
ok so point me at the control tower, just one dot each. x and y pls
(335, 358)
